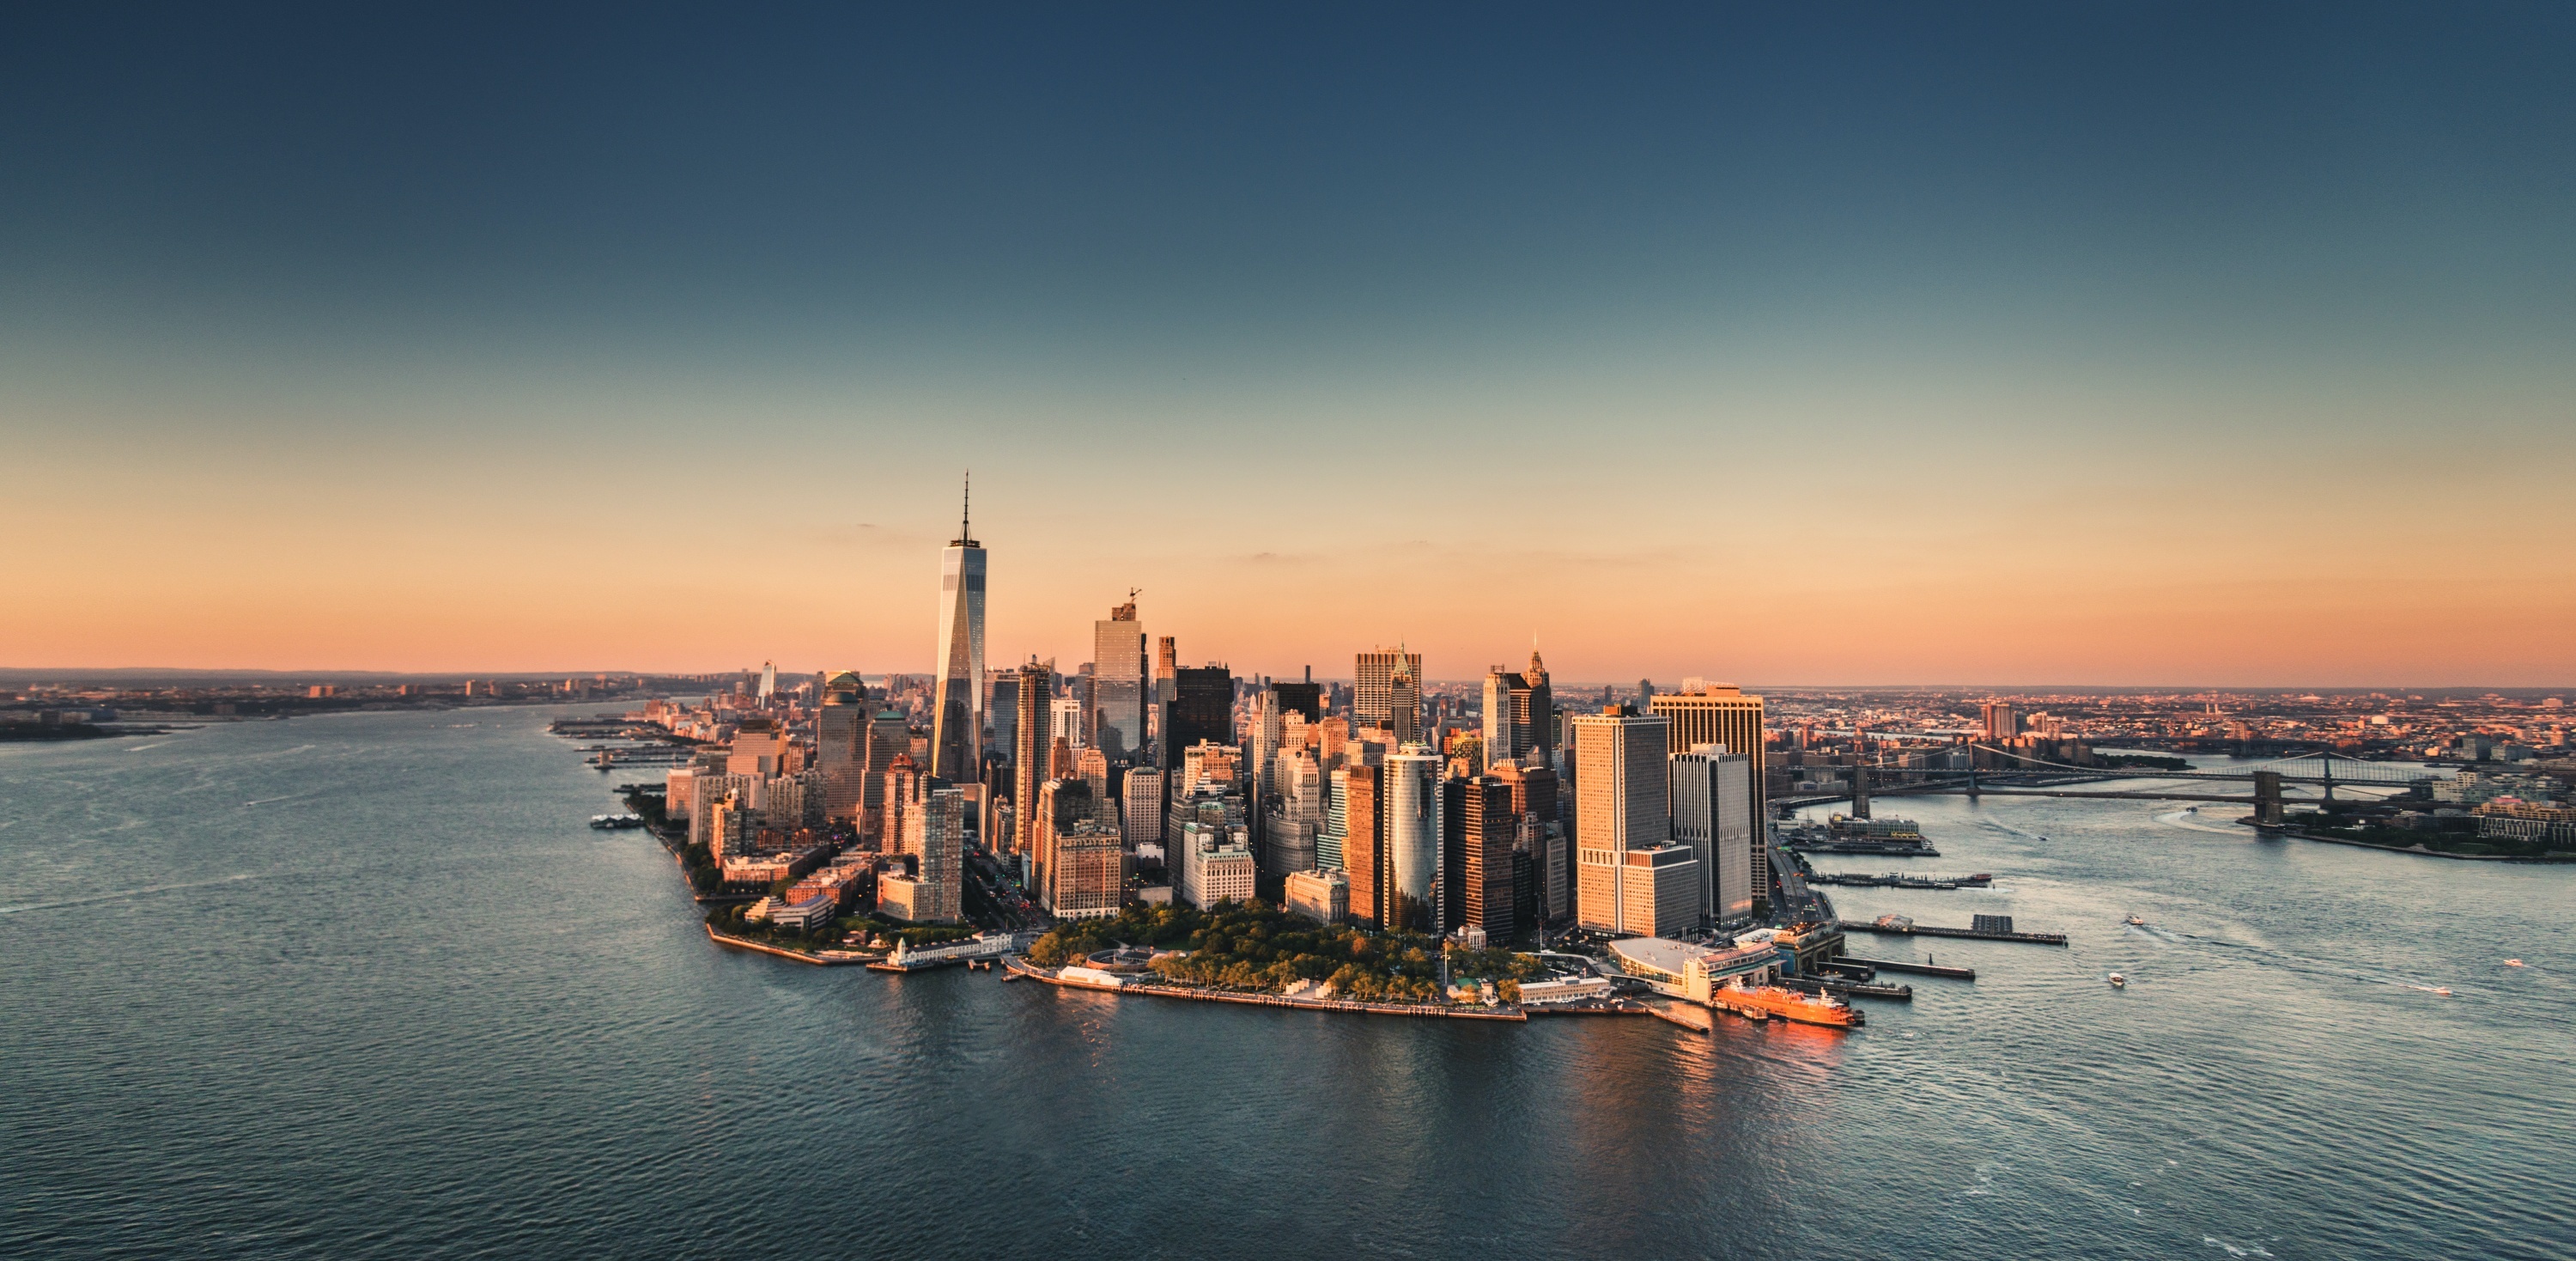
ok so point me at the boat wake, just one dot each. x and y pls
(121, 894)
(2189, 822)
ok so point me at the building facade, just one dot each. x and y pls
(1621, 803)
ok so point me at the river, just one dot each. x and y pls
(367, 985)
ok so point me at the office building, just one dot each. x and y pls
(1305, 698)
(1214, 864)
(1321, 896)
(1141, 807)
(1087, 876)
(1622, 792)
(1066, 719)
(1519, 717)
(1202, 710)
(1720, 714)
(1413, 845)
(1363, 841)
(1479, 831)
(1118, 682)
(1262, 735)
(957, 721)
(1002, 714)
(1713, 814)
(1373, 699)
(1029, 752)
(1659, 891)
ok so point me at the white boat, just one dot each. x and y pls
(2118, 981)
(2137, 922)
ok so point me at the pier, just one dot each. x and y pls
(1966, 934)
(1918, 969)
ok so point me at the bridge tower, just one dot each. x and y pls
(2327, 762)
(1972, 781)
(2267, 799)
(1860, 791)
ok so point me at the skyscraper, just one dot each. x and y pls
(957, 721)
(768, 679)
(1713, 814)
(1356, 797)
(1719, 714)
(840, 744)
(1028, 752)
(1373, 686)
(1202, 709)
(1412, 820)
(1622, 796)
(1520, 714)
(1477, 866)
(1118, 682)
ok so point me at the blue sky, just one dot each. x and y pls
(2092, 295)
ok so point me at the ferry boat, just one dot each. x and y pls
(1771, 1001)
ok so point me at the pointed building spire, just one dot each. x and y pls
(966, 515)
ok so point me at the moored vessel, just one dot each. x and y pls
(1763, 1001)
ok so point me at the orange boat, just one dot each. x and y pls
(1767, 1001)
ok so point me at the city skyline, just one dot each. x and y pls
(2006, 345)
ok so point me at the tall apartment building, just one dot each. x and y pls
(1412, 819)
(934, 834)
(1720, 714)
(1373, 698)
(1622, 796)
(1118, 682)
(957, 719)
(1713, 815)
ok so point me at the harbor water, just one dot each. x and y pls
(368, 985)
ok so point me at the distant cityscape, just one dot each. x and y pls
(1487, 840)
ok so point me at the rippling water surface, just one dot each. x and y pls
(368, 986)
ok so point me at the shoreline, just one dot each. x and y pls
(1509, 1014)
(2421, 851)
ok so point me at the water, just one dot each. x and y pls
(368, 986)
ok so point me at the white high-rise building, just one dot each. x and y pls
(957, 692)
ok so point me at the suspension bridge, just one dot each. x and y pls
(2021, 775)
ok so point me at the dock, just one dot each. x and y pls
(1918, 969)
(1965, 934)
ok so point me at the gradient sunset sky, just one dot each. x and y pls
(2099, 343)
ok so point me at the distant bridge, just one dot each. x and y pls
(2038, 777)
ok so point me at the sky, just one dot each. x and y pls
(2119, 344)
